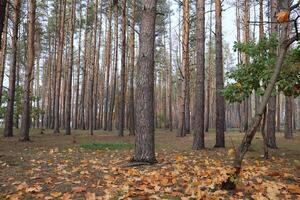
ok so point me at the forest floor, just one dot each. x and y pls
(82, 166)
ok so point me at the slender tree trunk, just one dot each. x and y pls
(200, 79)
(92, 72)
(132, 65)
(209, 74)
(84, 79)
(107, 64)
(59, 68)
(8, 130)
(144, 142)
(70, 70)
(271, 116)
(284, 43)
(288, 128)
(3, 52)
(25, 122)
(170, 76)
(3, 13)
(184, 117)
(220, 103)
(123, 63)
(114, 85)
(78, 69)
(186, 65)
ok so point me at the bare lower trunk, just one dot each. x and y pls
(288, 128)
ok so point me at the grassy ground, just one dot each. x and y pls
(81, 166)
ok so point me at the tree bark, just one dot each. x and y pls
(288, 128)
(8, 130)
(271, 116)
(144, 142)
(3, 13)
(220, 103)
(123, 66)
(59, 68)
(25, 121)
(107, 65)
(70, 70)
(114, 85)
(78, 69)
(3, 51)
(131, 81)
(200, 92)
(170, 77)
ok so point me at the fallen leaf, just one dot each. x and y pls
(55, 194)
(90, 196)
(78, 189)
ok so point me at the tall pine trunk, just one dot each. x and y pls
(107, 65)
(3, 52)
(8, 130)
(123, 66)
(70, 70)
(200, 62)
(144, 141)
(59, 68)
(131, 81)
(220, 103)
(25, 121)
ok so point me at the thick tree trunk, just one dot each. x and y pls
(25, 122)
(8, 130)
(59, 68)
(200, 93)
(123, 66)
(220, 102)
(144, 142)
(288, 127)
(70, 70)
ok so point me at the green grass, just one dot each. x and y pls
(107, 146)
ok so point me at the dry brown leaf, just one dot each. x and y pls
(90, 196)
(55, 194)
(67, 196)
(78, 189)
(294, 188)
(22, 186)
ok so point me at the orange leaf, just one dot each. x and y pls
(282, 16)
